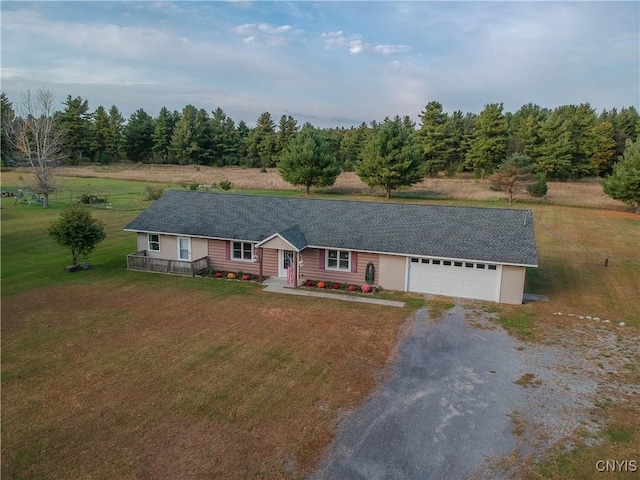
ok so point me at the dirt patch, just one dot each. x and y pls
(127, 381)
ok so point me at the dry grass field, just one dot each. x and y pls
(583, 194)
(121, 381)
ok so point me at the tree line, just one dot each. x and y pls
(567, 142)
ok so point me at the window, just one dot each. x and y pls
(480, 266)
(457, 264)
(414, 260)
(184, 249)
(468, 265)
(242, 251)
(425, 260)
(492, 267)
(338, 260)
(447, 263)
(154, 242)
(436, 262)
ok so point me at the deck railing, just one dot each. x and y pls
(140, 261)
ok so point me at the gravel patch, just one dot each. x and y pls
(465, 399)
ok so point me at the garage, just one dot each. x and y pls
(479, 281)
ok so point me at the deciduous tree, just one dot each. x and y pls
(513, 174)
(77, 230)
(37, 138)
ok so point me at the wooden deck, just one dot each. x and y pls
(141, 262)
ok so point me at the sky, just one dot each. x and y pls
(329, 63)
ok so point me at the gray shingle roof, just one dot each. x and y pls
(471, 233)
(295, 237)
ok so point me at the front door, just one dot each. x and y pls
(285, 259)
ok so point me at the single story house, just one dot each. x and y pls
(468, 252)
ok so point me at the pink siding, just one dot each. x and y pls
(312, 271)
(220, 259)
(270, 262)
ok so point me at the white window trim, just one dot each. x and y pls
(250, 259)
(337, 268)
(149, 242)
(188, 249)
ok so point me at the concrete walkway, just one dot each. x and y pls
(280, 285)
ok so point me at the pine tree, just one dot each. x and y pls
(624, 183)
(225, 139)
(489, 143)
(307, 161)
(115, 135)
(391, 159)
(602, 145)
(261, 143)
(100, 134)
(75, 120)
(162, 133)
(435, 137)
(138, 136)
(287, 130)
(7, 116)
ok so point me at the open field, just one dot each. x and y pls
(584, 193)
(108, 373)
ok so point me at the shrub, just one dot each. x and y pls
(193, 186)
(336, 286)
(308, 283)
(88, 199)
(352, 288)
(231, 276)
(365, 288)
(225, 185)
(539, 187)
(152, 192)
(246, 277)
(217, 275)
(321, 285)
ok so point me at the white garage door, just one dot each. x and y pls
(455, 279)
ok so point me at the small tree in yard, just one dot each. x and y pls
(513, 174)
(77, 230)
(624, 183)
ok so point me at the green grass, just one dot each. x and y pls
(438, 307)
(518, 322)
(574, 279)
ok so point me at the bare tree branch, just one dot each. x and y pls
(37, 138)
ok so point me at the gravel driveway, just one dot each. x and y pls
(452, 407)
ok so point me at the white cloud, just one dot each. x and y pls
(355, 45)
(266, 33)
